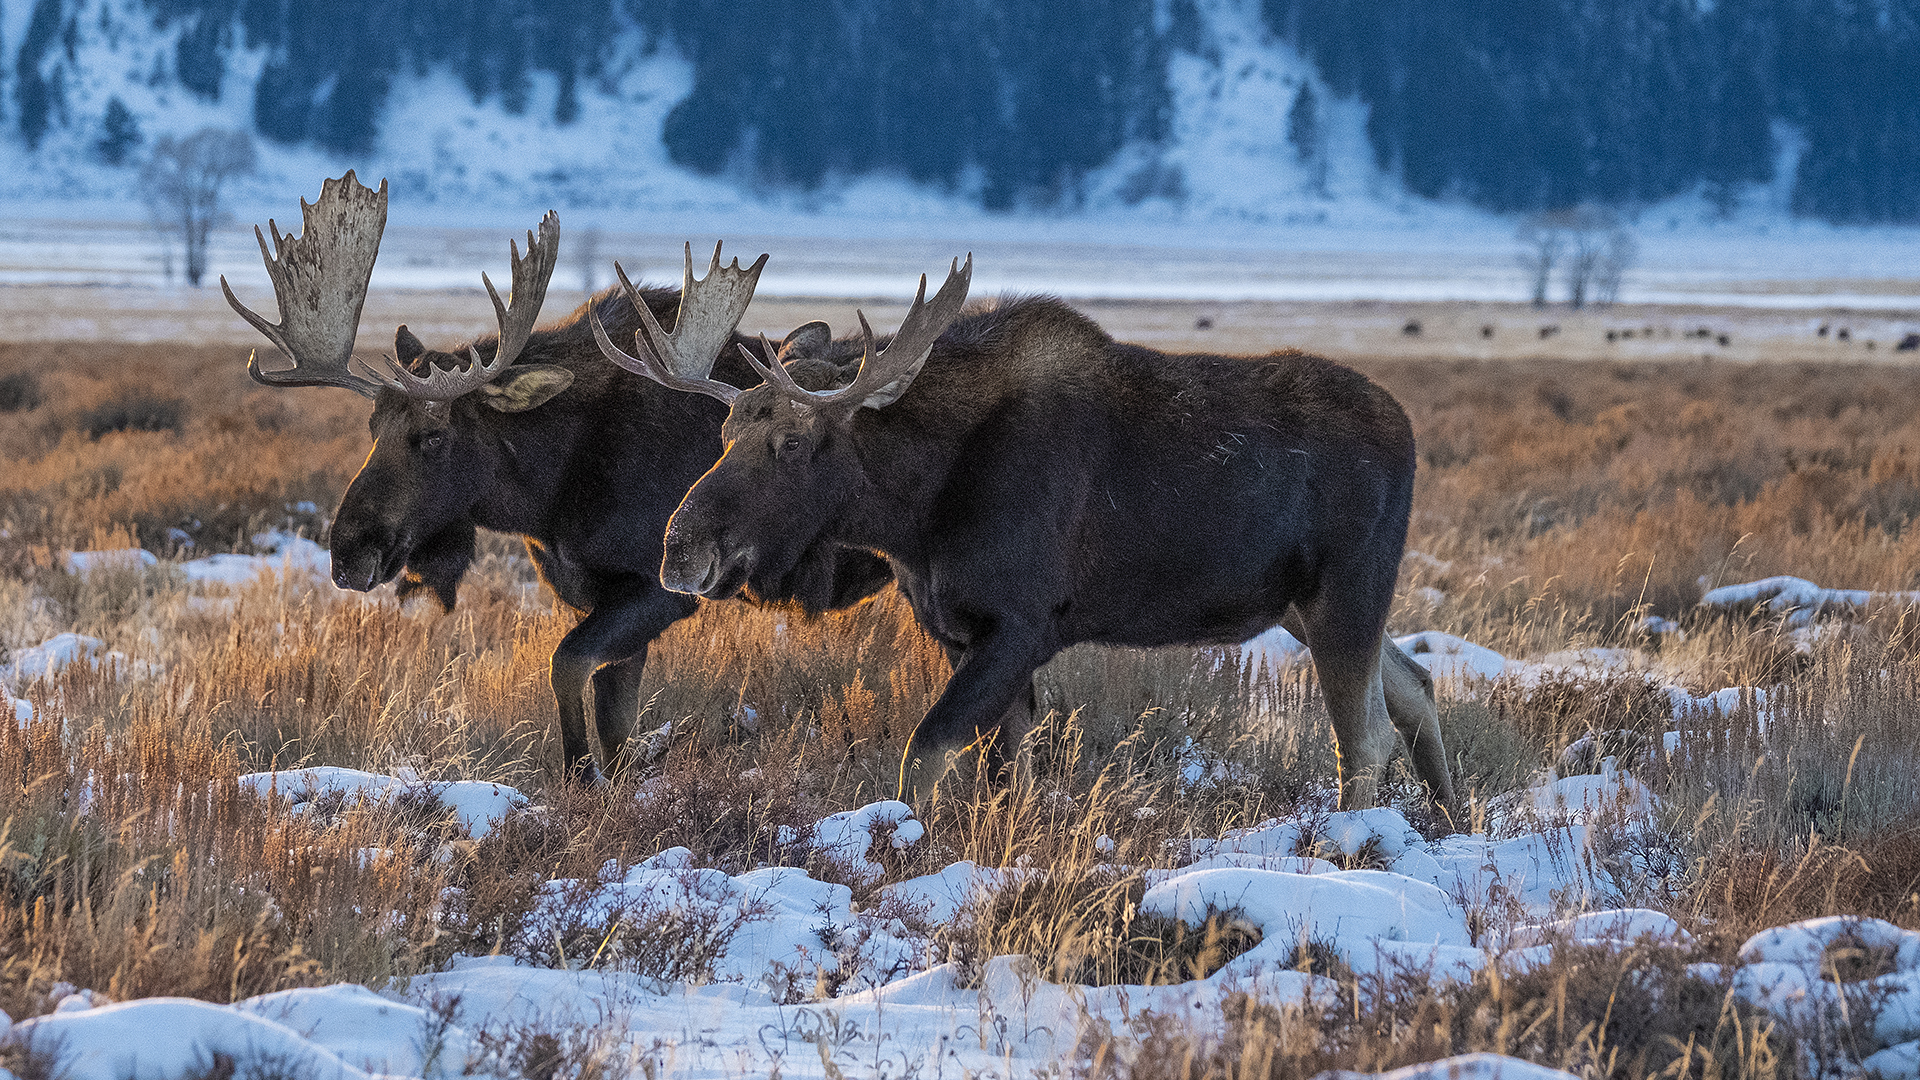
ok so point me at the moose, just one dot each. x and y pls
(1035, 484)
(532, 435)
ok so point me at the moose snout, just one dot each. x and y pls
(689, 565)
(364, 559)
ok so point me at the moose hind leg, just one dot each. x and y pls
(1362, 734)
(1409, 690)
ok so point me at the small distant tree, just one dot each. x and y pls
(1589, 243)
(119, 133)
(587, 252)
(1618, 253)
(1541, 242)
(181, 184)
(1306, 133)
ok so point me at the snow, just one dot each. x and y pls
(166, 1038)
(711, 974)
(479, 806)
(1274, 649)
(1797, 601)
(1805, 974)
(281, 554)
(1450, 657)
(54, 655)
(1480, 1066)
(88, 562)
(796, 977)
(847, 837)
(1239, 217)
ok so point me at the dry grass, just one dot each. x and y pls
(1557, 505)
(1617, 1014)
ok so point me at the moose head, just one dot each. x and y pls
(433, 455)
(788, 466)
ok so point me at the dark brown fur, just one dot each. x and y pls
(589, 477)
(1040, 485)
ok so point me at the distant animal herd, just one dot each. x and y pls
(1027, 482)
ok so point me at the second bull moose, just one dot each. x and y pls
(1035, 484)
(528, 432)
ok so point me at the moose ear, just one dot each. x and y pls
(526, 386)
(406, 347)
(808, 339)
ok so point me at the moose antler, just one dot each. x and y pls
(710, 311)
(320, 282)
(530, 277)
(885, 374)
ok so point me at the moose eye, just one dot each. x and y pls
(790, 445)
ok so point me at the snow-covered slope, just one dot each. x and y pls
(1228, 156)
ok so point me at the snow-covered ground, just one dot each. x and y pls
(773, 938)
(1248, 222)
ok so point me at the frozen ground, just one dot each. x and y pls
(1462, 257)
(776, 934)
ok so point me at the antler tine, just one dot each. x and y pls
(530, 277)
(320, 283)
(888, 371)
(647, 363)
(773, 371)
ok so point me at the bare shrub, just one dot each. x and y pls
(135, 411)
(19, 392)
(1624, 1014)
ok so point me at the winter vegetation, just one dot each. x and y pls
(1670, 605)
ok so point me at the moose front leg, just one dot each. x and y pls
(986, 706)
(618, 631)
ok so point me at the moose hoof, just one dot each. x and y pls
(586, 774)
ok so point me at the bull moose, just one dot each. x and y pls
(1035, 484)
(531, 435)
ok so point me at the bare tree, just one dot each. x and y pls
(181, 184)
(1541, 242)
(1618, 254)
(1589, 243)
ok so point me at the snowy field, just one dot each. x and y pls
(1342, 304)
(797, 980)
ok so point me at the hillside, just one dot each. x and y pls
(1267, 110)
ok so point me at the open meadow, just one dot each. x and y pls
(1160, 895)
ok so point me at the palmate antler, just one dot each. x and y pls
(884, 374)
(710, 311)
(320, 282)
(530, 277)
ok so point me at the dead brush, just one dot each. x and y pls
(1555, 709)
(1088, 929)
(1803, 807)
(1624, 1014)
(135, 865)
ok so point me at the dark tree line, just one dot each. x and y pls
(1550, 104)
(1515, 106)
(1027, 97)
